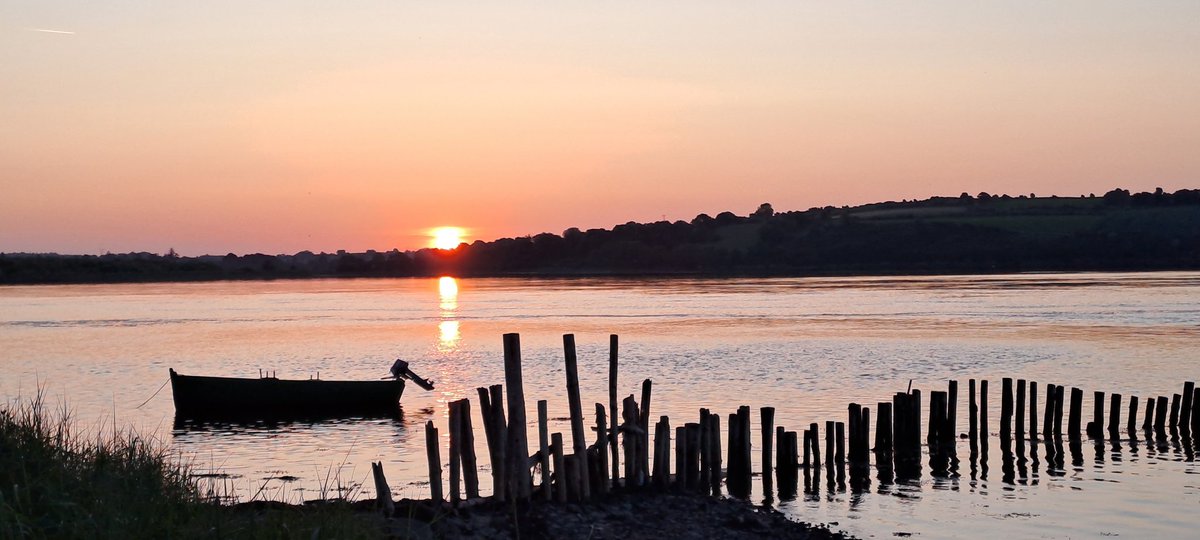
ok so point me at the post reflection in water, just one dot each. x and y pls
(448, 331)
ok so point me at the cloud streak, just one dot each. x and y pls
(49, 31)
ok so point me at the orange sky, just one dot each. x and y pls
(359, 125)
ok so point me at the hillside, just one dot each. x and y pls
(965, 234)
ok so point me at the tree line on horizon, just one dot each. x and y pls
(983, 233)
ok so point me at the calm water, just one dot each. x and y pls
(805, 346)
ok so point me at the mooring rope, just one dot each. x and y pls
(164, 385)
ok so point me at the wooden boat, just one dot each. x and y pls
(218, 398)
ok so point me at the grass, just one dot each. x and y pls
(57, 483)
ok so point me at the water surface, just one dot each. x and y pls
(805, 346)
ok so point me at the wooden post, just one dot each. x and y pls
(1148, 421)
(816, 445)
(492, 411)
(662, 453)
(1114, 416)
(1185, 412)
(830, 446)
(644, 421)
(1033, 425)
(973, 412)
(455, 452)
(571, 468)
(781, 454)
(435, 462)
(1059, 403)
(519, 483)
(938, 464)
(560, 466)
(715, 451)
(467, 449)
(383, 493)
(1020, 413)
(1196, 411)
(952, 408)
(1175, 410)
(629, 440)
(602, 448)
(578, 435)
(544, 450)
(734, 473)
(1074, 419)
(681, 452)
(792, 449)
(839, 439)
(767, 415)
(1160, 414)
(744, 440)
(1131, 422)
(704, 480)
(693, 456)
(1006, 407)
(1048, 417)
(1097, 416)
(983, 412)
(612, 407)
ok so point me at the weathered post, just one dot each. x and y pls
(983, 412)
(602, 448)
(1185, 412)
(1033, 425)
(1006, 407)
(1020, 412)
(973, 413)
(578, 435)
(492, 405)
(1048, 417)
(519, 483)
(383, 493)
(1131, 422)
(662, 453)
(952, 408)
(469, 463)
(1074, 419)
(1148, 420)
(938, 462)
(693, 455)
(644, 421)
(630, 440)
(612, 407)
(1160, 414)
(830, 446)
(681, 453)
(544, 449)
(435, 462)
(1059, 403)
(1097, 425)
(816, 445)
(455, 452)
(1175, 410)
(1114, 416)
(767, 415)
(714, 421)
(560, 468)
(705, 478)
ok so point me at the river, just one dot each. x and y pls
(807, 346)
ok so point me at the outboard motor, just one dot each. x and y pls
(400, 371)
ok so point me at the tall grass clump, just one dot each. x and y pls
(57, 483)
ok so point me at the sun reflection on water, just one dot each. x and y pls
(448, 332)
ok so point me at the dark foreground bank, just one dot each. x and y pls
(619, 516)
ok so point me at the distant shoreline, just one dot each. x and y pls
(966, 235)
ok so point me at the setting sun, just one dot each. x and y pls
(446, 237)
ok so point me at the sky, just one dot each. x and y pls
(281, 126)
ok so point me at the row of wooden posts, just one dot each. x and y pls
(589, 470)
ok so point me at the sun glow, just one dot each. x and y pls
(446, 237)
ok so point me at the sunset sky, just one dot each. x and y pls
(275, 127)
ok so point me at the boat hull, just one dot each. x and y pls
(220, 398)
